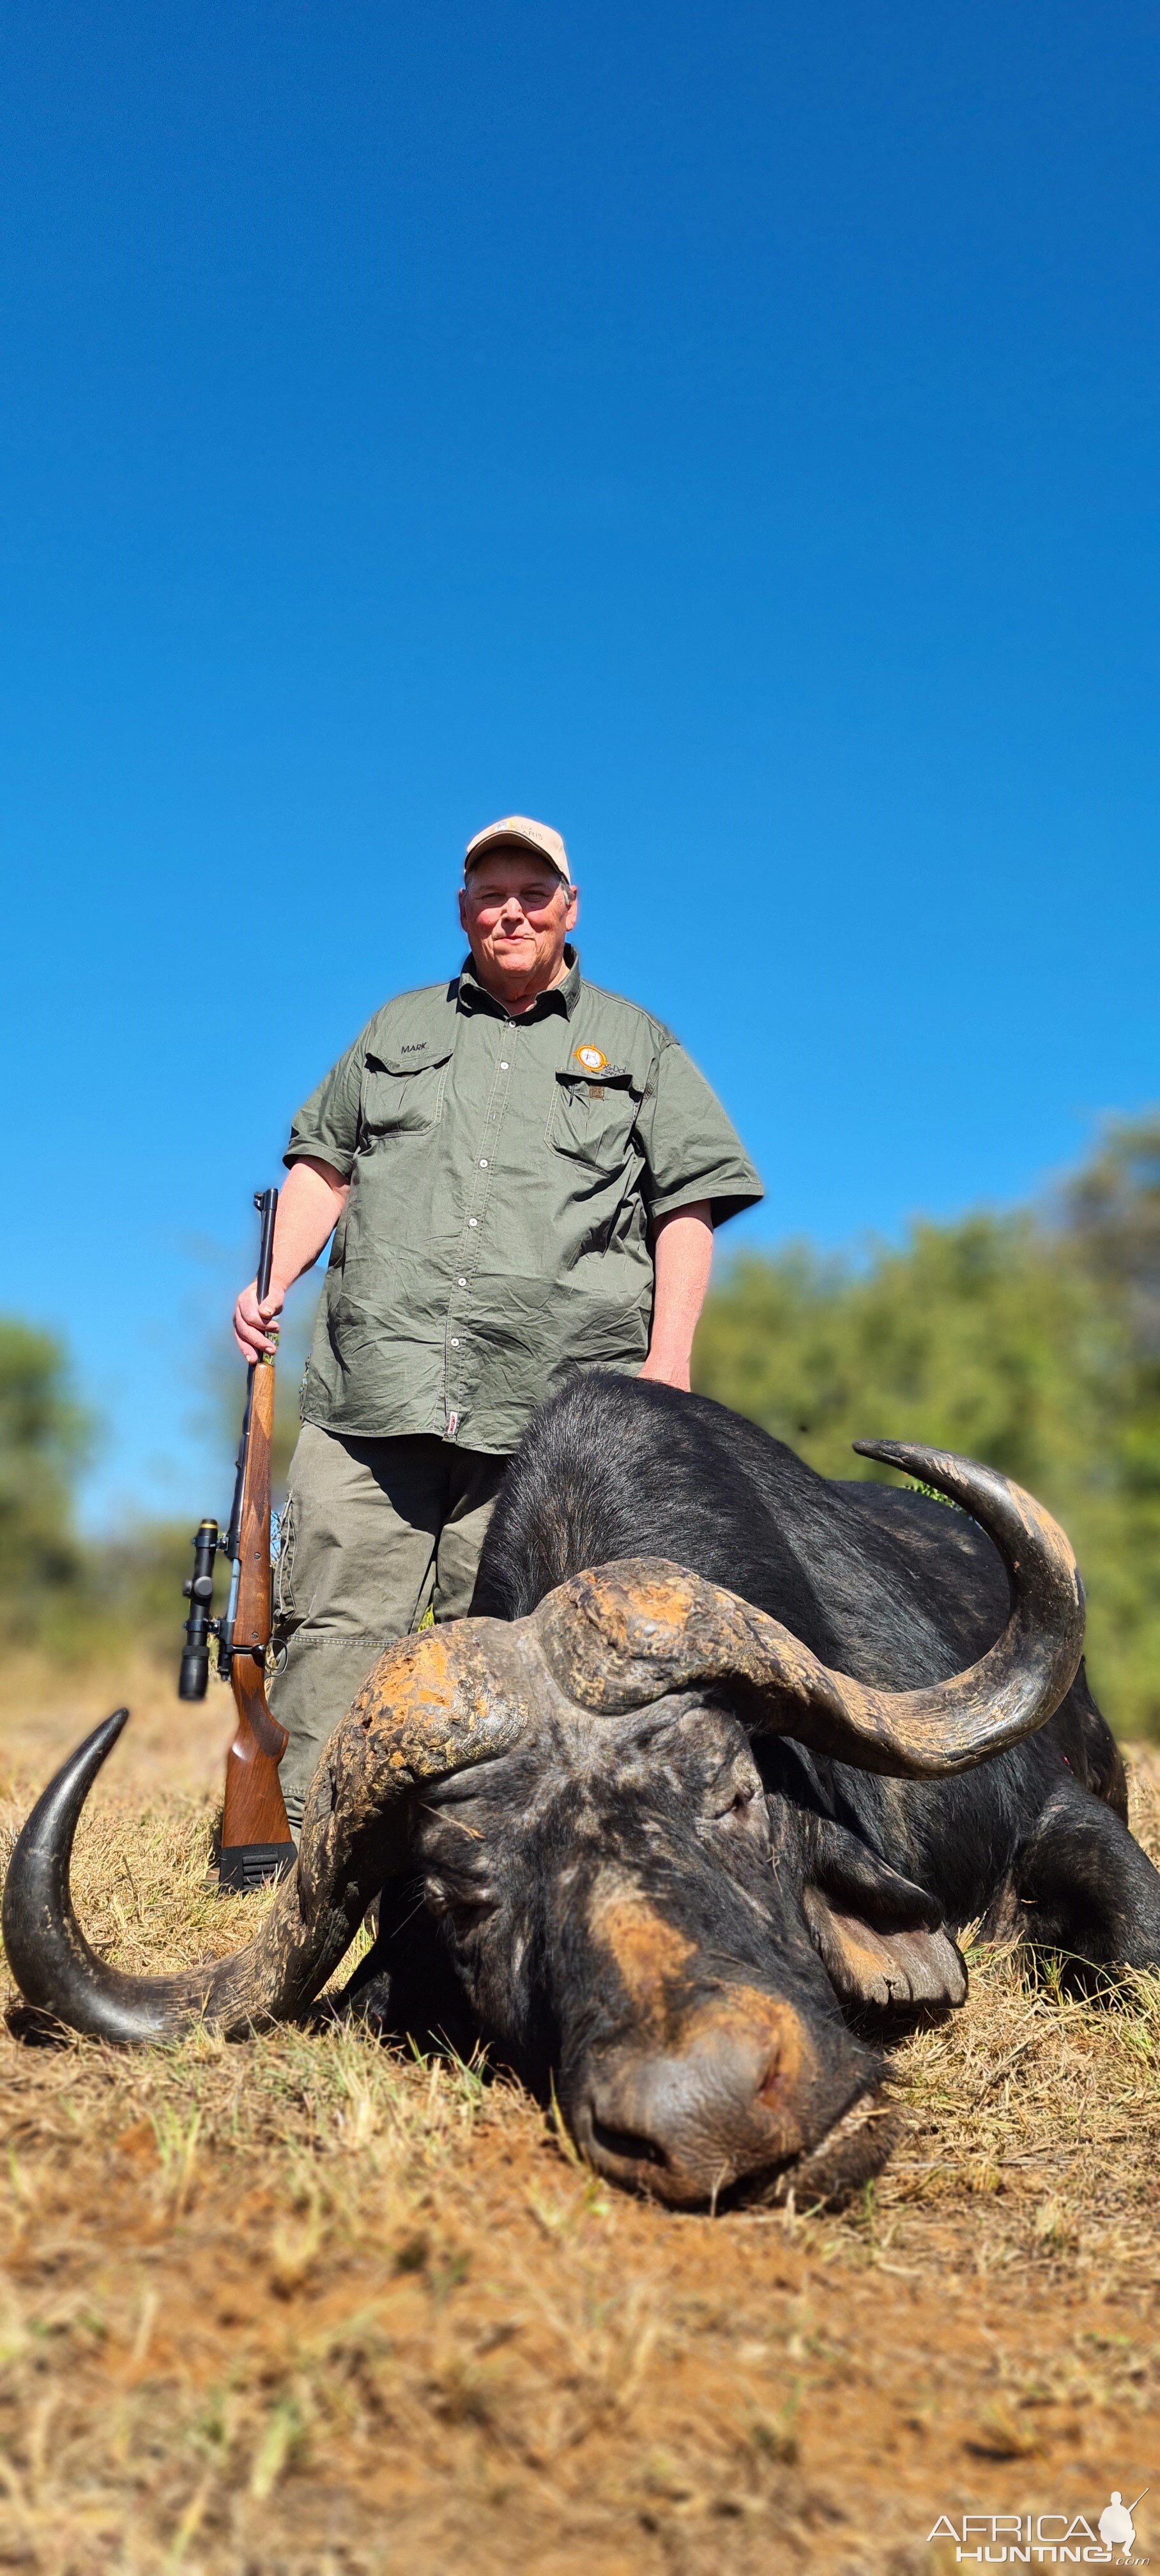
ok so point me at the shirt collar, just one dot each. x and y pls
(474, 996)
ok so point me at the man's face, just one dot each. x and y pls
(517, 914)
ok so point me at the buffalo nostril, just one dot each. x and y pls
(771, 2090)
(626, 2144)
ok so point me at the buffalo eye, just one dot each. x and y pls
(741, 1809)
(465, 1907)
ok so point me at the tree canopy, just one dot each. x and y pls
(1030, 1340)
(44, 1441)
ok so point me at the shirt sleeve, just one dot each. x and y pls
(691, 1151)
(327, 1124)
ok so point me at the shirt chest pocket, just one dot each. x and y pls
(591, 1121)
(402, 1095)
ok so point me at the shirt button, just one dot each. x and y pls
(503, 1066)
(462, 1283)
(473, 1220)
(483, 1163)
(455, 1346)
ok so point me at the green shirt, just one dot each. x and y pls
(503, 1176)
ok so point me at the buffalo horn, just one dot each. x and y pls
(434, 1704)
(626, 1634)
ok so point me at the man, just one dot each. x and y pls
(522, 1175)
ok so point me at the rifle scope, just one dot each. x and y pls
(199, 1626)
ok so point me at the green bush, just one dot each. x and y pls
(45, 1438)
(1032, 1341)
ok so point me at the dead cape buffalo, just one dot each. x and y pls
(671, 1831)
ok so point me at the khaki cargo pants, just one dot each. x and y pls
(374, 1532)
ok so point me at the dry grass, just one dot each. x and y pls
(311, 2308)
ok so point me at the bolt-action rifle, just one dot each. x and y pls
(256, 1839)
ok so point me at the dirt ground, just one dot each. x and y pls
(311, 2308)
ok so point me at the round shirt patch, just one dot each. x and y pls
(591, 1059)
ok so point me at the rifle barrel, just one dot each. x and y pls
(266, 1202)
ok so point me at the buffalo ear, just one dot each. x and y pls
(881, 1939)
(895, 1970)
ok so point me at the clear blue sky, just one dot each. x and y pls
(729, 433)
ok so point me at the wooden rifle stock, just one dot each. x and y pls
(256, 1838)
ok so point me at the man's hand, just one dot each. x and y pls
(683, 1258)
(675, 1372)
(309, 1207)
(251, 1320)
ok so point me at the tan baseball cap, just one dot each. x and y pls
(534, 836)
